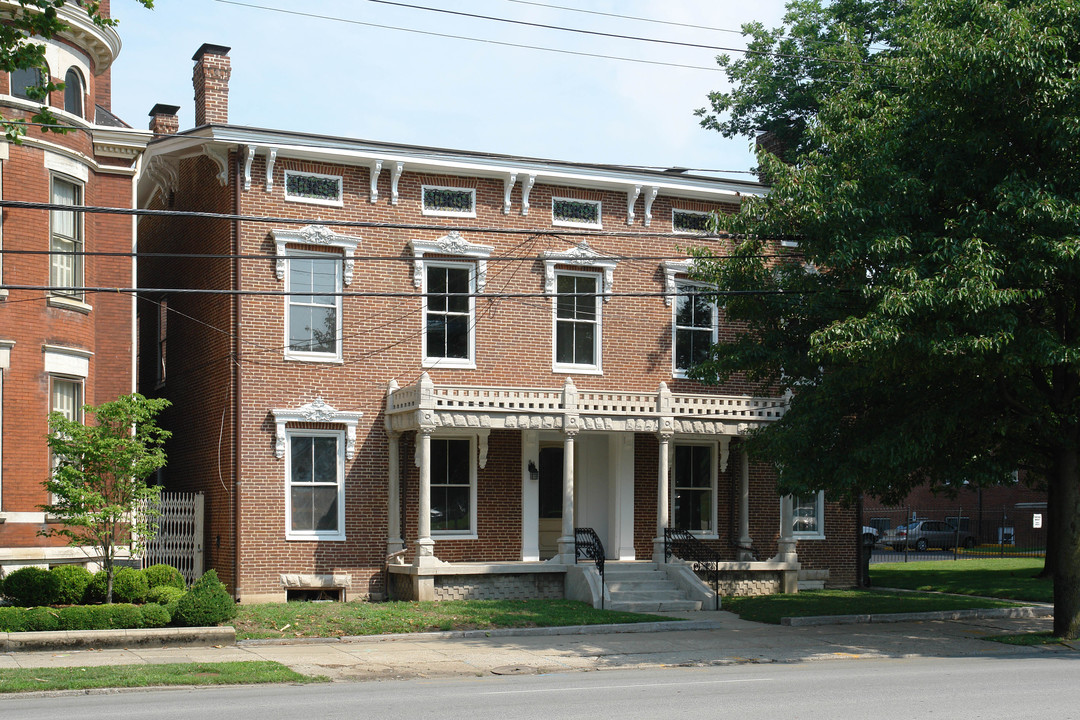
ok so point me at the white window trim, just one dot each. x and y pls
(678, 211)
(471, 534)
(714, 533)
(340, 202)
(336, 535)
(468, 363)
(5, 364)
(598, 225)
(309, 356)
(69, 361)
(676, 371)
(819, 507)
(582, 369)
(447, 213)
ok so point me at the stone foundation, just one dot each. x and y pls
(515, 581)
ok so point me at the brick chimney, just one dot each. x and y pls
(163, 119)
(211, 80)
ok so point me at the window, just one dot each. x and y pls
(66, 270)
(29, 84)
(693, 506)
(448, 314)
(313, 188)
(313, 307)
(694, 327)
(448, 201)
(577, 321)
(73, 92)
(162, 338)
(453, 487)
(67, 398)
(808, 515)
(578, 213)
(689, 221)
(315, 493)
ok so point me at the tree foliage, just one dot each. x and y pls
(98, 487)
(928, 323)
(21, 29)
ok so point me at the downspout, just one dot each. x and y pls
(235, 340)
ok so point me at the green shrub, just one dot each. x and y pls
(31, 586)
(206, 603)
(129, 585)
(12, 619)
(95, 590)
(162, 575)
(154, 616)
(101, 617)
(167, 597)
(78, 617)
(71, 583)
(42, 619)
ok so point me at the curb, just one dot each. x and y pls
(973, 614)
(114, 639)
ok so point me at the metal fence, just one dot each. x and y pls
(946, 532)
(179, 532)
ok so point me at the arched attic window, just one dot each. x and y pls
(73, 92)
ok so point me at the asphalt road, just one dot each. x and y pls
(955, 688)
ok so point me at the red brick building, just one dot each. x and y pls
(62, 344)
(418, 370)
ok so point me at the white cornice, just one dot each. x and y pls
(102, 43)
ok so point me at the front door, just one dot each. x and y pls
(551, 497)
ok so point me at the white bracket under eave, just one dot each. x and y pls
(650, 196)
(399, 167)
(220, 158)
(450, 244)
(376, 168)
(249, 157)
(508, 187)
(631, 200)
(315, 235)
(316, 411)
(580, 254)
(271, 160)
(526, 188)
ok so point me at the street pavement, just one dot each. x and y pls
(718, 638)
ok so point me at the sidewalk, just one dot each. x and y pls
(719, 638)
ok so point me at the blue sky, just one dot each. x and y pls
(342, 78)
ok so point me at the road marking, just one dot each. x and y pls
(624, 687)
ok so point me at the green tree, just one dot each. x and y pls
(928, 323)
(98, 487)
(19, 27)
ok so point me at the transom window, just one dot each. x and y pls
(695, 327)
(570, 211)
(313, 188)
(66, 266)
(694, 489)
(313, 306)
(448, 201)
(577, 321)
(453, 486)
(448, 314)
(315, 494)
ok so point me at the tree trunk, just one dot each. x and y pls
(1065, 495)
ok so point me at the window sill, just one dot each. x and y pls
(582, 226)
(337, 537)
(448, 213)
(315, 201)
(807, 536)
(577, 369)
(449, 363)
(69, 303)
(327, 359)
(445, 535)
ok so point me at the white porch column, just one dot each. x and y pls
(663, 496)
(566, 542)
(745, 542)
(530, 496)
(394, 542)
(425, 546)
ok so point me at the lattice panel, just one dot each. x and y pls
(179, 537)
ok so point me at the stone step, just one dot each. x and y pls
(645, 606)
(621, 585)
(647, 595)
(637, 577)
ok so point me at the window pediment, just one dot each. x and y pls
(315, 235)
(316, 411)
(455, 245)
(582, 255)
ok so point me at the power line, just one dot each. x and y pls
(361, 258)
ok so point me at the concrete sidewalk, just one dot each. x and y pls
(719, 638)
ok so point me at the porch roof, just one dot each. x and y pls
(425, 404)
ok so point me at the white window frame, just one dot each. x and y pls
(598, 225)
(678, 211)
(676, 371)
(315, 201)
(334, 536)
(67, 292)
(471, 533)
(468, 362)
(819, 519)
(714, 468)
(310, 356)
(447, 213)
(595, 368)
(5, 364)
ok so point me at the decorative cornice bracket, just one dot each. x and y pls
(508, 187)
(271, 160)
(650, 197)
(376, 168)
(399, 167)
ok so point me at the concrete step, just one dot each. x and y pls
(621, 585)
(635, 577)
(647, 595)
(645, 606)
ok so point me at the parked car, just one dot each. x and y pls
(924, 534)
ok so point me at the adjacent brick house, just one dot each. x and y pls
(62, 344)
(415, 370)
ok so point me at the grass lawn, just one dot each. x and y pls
(81, 678)
(319, 619)
(1001, 578)
(770, 608)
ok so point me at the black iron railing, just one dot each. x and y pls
(587, 546)
(686, 546)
